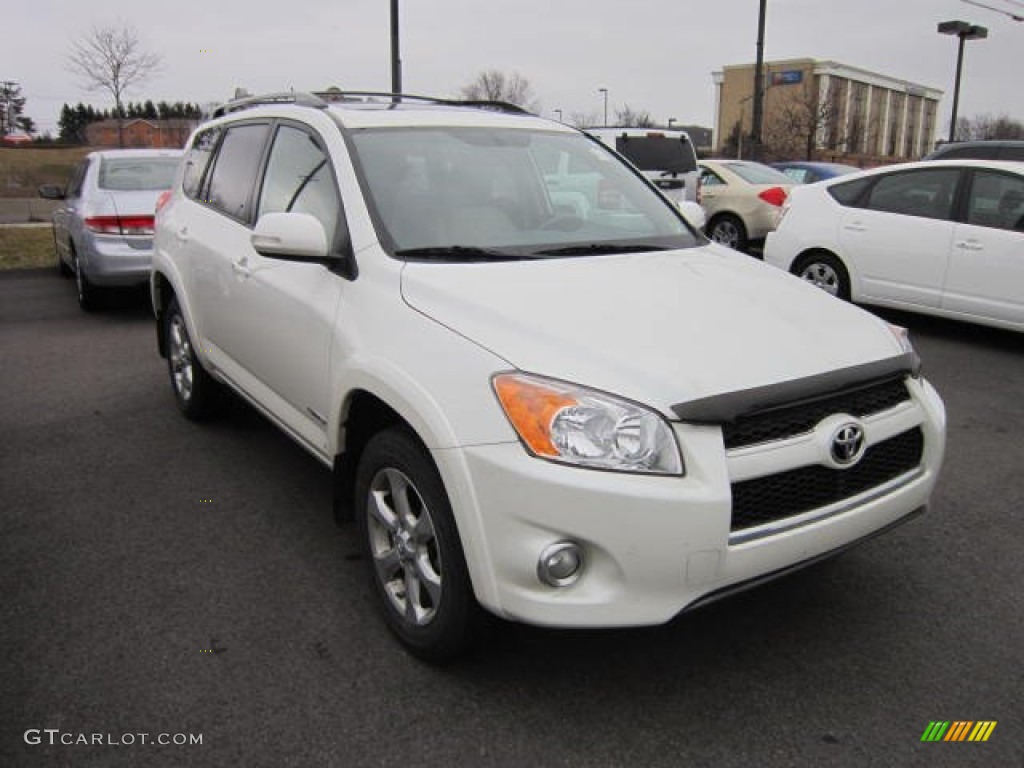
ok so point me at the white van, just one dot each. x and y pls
(666, 157)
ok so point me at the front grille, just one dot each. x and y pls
(797, 418)
(776, 497)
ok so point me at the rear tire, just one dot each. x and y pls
(412, 548)
(62, 268)
(195, 392)
(88, 294)
(728, 230)
(825, 271)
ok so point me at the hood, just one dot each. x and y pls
(659, 328)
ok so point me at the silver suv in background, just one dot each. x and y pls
(666, 157)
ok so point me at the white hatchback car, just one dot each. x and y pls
(939, 237)
(540, 390)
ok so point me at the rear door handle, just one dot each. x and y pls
(182, 234)
(969, 245)
(855, 226)
(240, 267)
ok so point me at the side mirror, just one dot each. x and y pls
(52, 192)
(693, 214)
(297, 236)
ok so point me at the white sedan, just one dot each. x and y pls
(940, 237)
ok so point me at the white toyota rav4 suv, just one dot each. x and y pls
(540, 390)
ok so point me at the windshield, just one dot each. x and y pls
(474, 194)
(135, 173)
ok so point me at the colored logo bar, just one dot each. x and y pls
(958, 730)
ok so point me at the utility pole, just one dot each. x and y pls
(396, 58)
(758, 117)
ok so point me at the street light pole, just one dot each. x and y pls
(964, 31)
(396, 59)
(605, 92)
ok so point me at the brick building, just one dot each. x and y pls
(141, 132)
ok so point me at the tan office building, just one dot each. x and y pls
(825, 110)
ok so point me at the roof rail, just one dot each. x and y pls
(298, 98)
(396, 98)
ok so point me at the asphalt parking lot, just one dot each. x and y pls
(161, 577)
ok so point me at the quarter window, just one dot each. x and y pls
(197, 158)
(925, 193)
(996, 200)
(235, 169)
(299, 179)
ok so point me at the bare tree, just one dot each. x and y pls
(112, 59)
(988, 126)
(630, 118)
(494, 85)
(585, 119)
(799, 119)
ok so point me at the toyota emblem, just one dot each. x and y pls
(848, 444)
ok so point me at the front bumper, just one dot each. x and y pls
(653, 546)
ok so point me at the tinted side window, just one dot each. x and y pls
(996, 200)
(1012, 153)
(197, 158)
(299, 179)
(978, 152)
(850, 192)
(927, 193)
(77, 179)
(798, 175)
(235, 169)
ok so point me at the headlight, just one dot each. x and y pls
(575, 425)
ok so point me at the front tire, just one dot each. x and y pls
(728, 230)
(194, 390)
(825, 271)
(62, 268)
(411, 544)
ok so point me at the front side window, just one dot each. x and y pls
(121, 174)
(996, 200)
(797, 175)
(509, 192)
(925, 193)
(77, 179)
(299, 179)
(235, 168)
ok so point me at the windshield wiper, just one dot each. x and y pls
(597, 248)
(459, 253)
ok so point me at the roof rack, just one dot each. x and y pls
(285, 97)
(371, 97)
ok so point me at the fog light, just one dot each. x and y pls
(560, 564)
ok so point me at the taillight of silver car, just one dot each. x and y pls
(120, 225)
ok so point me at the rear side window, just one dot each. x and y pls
(141, 173)
(927, 193)
(849, 193)
(1012, 153)
(977, 152)
(235, 168)
(658, 153)
(197, 158)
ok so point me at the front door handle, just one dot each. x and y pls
(241, 267)
(969, 245)
(182, 234)
(855, 226)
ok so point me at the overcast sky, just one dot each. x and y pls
(656, 55)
